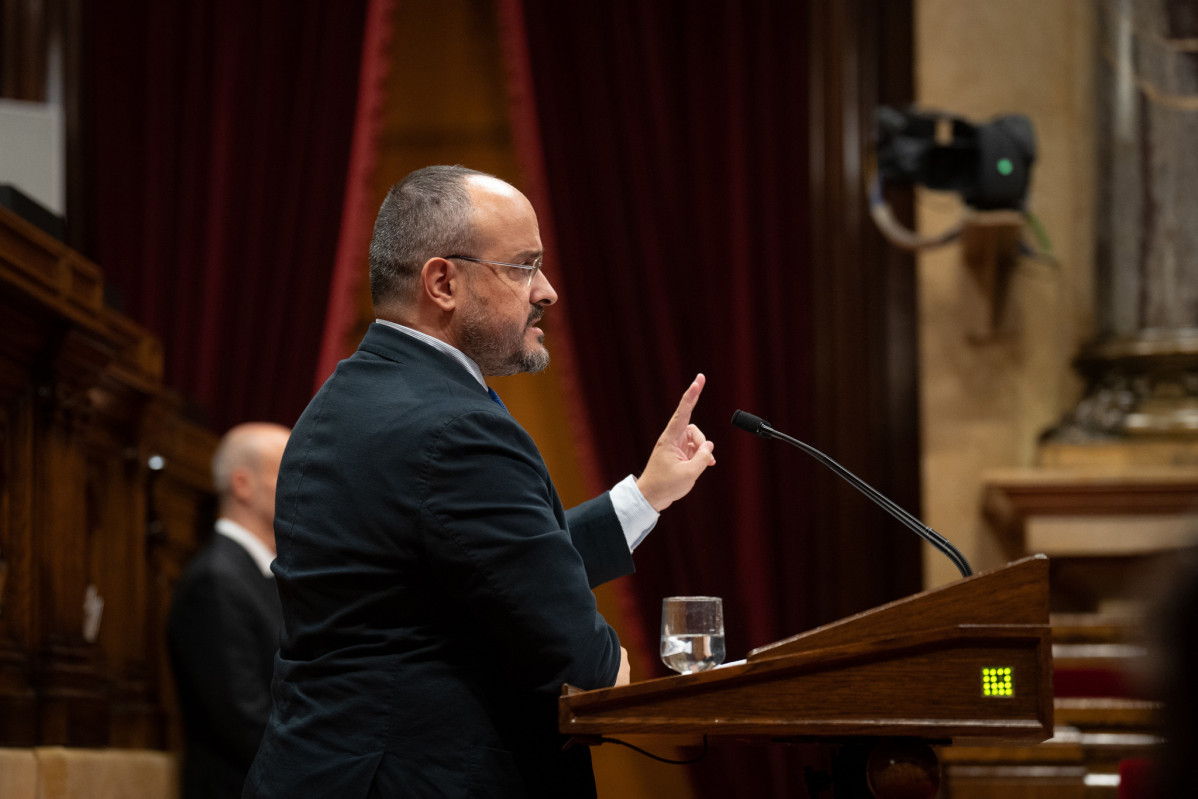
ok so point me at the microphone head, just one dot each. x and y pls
(753, 424)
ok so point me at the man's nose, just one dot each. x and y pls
(542, 290)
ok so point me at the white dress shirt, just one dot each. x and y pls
(258, 551)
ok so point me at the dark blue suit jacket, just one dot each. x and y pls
(435, 594)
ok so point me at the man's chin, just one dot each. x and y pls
(535, 361)
(529, 361)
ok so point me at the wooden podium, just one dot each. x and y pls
(971, 660)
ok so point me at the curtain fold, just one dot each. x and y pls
(357, 222)
(678, 250)
(688, 151)
(217, 141)
(528, 145)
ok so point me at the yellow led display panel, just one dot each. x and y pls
(998, 681)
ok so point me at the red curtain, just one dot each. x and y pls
(697, 168)
(357, 224)
(217, 137)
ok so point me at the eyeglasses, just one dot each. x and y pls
(525, 279)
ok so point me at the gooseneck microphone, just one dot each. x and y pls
(759, 427)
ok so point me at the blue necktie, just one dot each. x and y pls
(495, 397)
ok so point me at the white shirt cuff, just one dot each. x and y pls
(636, 515)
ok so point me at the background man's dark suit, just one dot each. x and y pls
(223, 632)
(435, 597)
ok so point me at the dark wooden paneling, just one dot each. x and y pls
(83, 517)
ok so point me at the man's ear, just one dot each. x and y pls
(241, 483)
(441, 282)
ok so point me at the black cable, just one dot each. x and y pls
(657, 757)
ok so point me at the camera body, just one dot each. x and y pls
(989, 165)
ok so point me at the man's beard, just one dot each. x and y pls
(498, 347)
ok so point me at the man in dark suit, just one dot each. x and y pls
(223, 628)
(435, 594)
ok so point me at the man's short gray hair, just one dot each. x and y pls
(428, 214)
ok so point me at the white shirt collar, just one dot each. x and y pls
(258, 551)
(448, 349)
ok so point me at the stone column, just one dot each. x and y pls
(1142, 368)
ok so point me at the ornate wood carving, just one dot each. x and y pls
(92, 536)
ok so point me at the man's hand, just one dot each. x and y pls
(680, 455)
(625, 674)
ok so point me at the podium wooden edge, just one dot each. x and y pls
(638, 708)
(1005, 610)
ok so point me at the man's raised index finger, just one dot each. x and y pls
(690, 398)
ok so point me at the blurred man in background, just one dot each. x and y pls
(223, 628)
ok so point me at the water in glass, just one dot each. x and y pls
(692, 633)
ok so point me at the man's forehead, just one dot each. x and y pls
(501, 211)
(483, 185)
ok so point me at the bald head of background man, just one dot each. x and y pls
(245, 469)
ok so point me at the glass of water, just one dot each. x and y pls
(692, 633)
